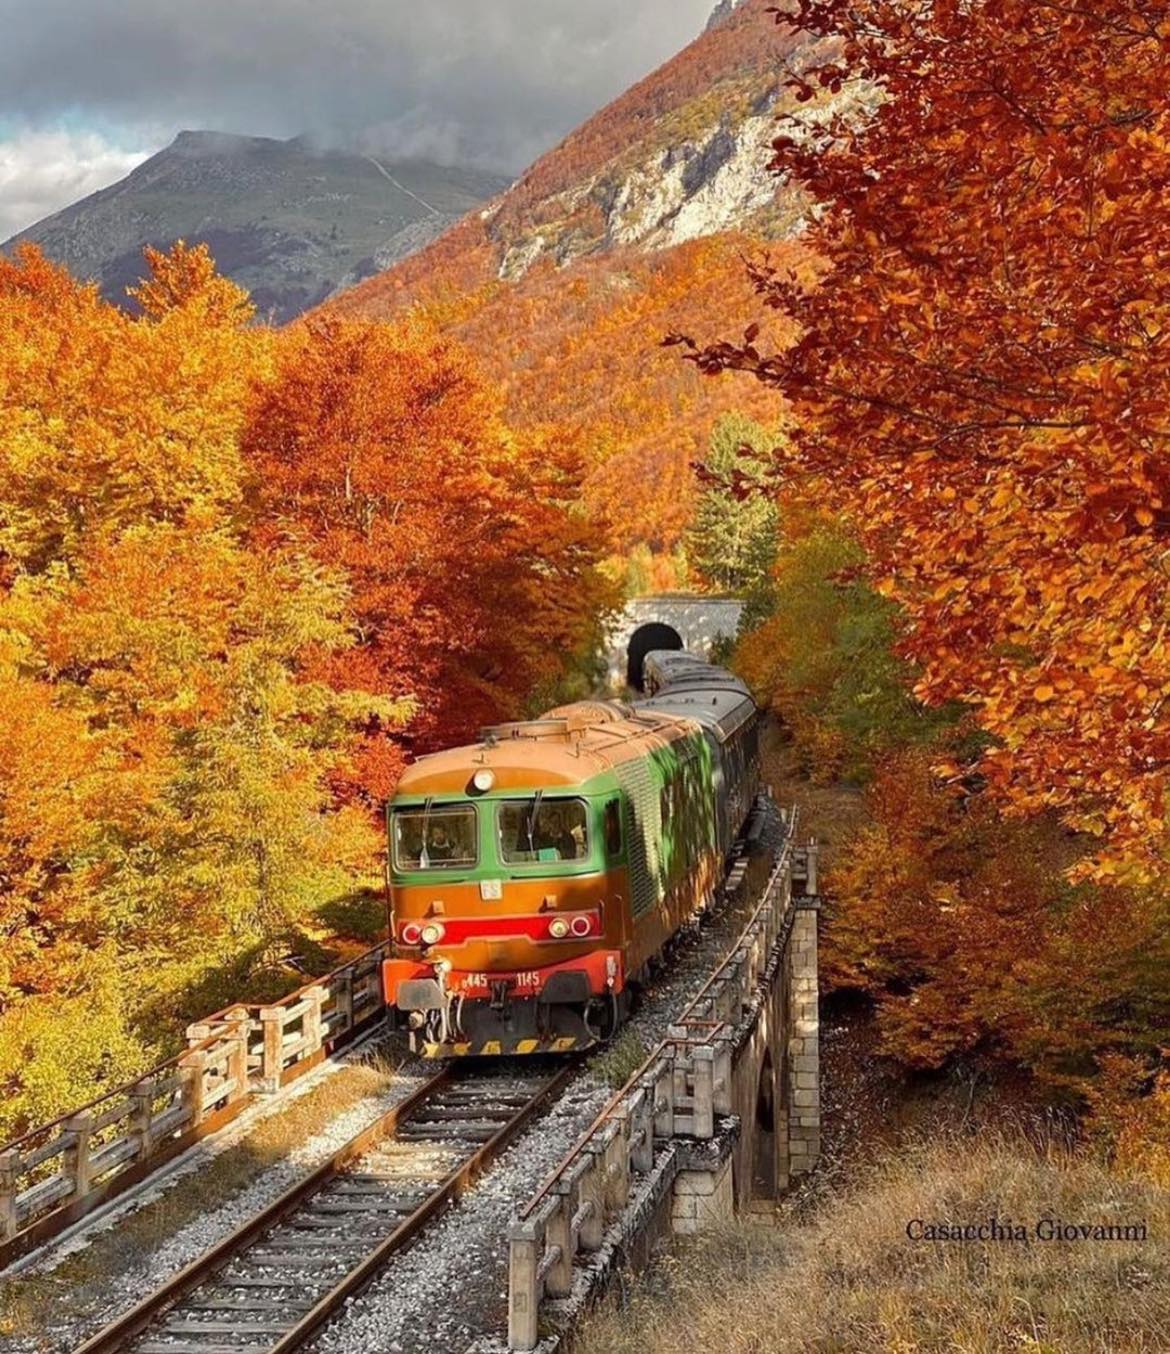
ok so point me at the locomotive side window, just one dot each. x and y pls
(441, 838)
(533, 831)
(613, 829)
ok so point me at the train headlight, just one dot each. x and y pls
(432, 933)
(581, 926)
(558, 928)
(411, 933)
(484, 780)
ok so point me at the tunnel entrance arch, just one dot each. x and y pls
(699, 620)
(646, 640)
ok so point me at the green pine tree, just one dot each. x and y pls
(732, 543)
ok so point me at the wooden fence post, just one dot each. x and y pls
(9, 1170)
(311, 1020)
(192, 1069)
(143, 1117)
(272, 1058)
(237, 1065)
(75, 1159)
(343, 1001)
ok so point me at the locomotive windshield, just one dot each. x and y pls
(536, 830)
(442, 837)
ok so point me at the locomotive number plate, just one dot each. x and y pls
(519, 982)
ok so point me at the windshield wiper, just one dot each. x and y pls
(423, 859)
(531, 825)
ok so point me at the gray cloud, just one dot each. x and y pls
(491, 83)
(41, 171)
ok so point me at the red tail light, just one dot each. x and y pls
(581, 926)
(411, 933)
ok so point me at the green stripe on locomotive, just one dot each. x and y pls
(667, 797)
(668, 802)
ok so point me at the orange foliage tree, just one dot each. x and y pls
(472, 577)
(576, 353)
(141, 639)
(965, 931)
(981, 377)
(106, 422)
(164, 801)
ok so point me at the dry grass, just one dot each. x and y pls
(851, 1280)
(619, 1059)
(81, 1285)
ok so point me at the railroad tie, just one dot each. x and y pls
(172, 1347)
(307, 1252)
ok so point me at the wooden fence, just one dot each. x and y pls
(61, 1171)
(679, 1091)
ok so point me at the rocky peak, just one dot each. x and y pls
(722, 12)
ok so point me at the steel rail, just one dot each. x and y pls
(460, 1179)
(121, 1332)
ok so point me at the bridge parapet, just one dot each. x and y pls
(668, 1139)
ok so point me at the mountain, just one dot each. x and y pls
(722, 12)
(289, 222)
(637, 224)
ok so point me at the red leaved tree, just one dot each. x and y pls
(981, 380)
(472, 579)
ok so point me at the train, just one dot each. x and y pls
(536, 875)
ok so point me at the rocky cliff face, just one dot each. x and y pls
(706, 184)
(290, 223)
(680, 157)
(722, 12)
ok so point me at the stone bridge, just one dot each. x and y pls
(669, 620)
(724, 1111)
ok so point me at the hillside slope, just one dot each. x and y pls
(290, 223)
(636, 224)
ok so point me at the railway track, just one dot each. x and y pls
(273, 1283)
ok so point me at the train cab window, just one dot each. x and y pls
(443, 837)
(547, 831)
(613, 830)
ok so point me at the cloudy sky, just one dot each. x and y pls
(88, 88)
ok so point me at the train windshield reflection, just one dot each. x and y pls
(536, 830)
(440, 838)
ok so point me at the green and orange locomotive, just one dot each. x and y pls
(536, 874)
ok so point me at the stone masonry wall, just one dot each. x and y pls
(804, 1102)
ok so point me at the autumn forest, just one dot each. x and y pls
(247, 573)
